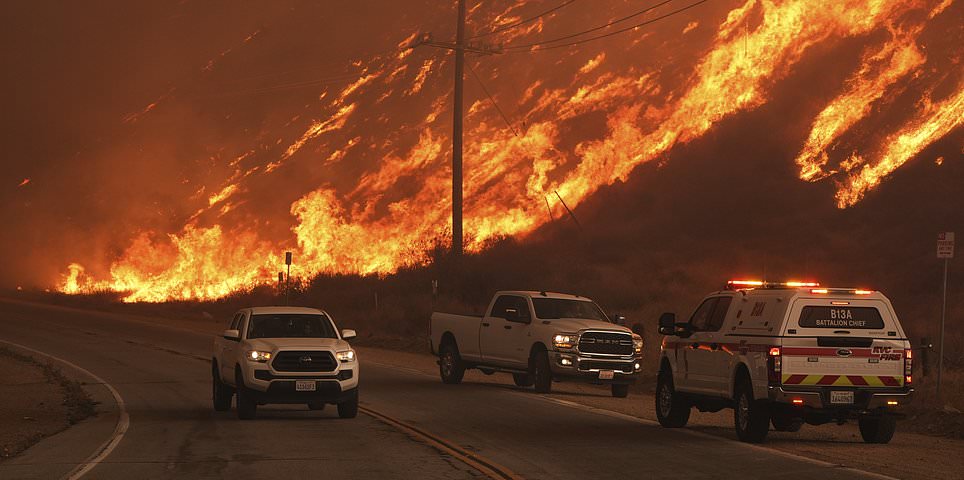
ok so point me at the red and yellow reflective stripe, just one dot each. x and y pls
(844, 380)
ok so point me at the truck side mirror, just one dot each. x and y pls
(514, 315)
(667, 324)
(233, 335)
(348, 334)
(619, 319)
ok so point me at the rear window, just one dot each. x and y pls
(841, 317)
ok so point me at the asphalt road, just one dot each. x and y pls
(163, 377)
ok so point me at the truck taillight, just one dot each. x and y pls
(774, 365)
(908, 366)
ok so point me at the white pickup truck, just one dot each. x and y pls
(787, 354)
(538, 337)
(284, 355)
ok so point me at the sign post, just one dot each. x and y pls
(288, 277)
(945, 250)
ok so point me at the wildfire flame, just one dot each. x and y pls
(394, 211)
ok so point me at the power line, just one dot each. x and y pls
(504, 117)
(616, 32)
(594, 29)
(522, 22)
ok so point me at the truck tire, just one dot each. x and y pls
(541, 373)
(522, 379)
(672, 410)
(786, 423)
(877, 429)
(750, 417)
(220, 393)
(247, 407)
(349, 408)
(316, 406)
(620, 390)
(450, 366)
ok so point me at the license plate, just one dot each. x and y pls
(606, 374)
(841, 397)
(305, 385)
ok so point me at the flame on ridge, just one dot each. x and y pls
(374, 229)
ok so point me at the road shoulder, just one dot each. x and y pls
(57, 452)
(39, 401)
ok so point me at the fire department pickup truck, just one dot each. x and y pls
(787, 354)
(538, 337)
(284, 355)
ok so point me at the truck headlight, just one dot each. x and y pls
(565, 341)
(259, 356)
(637, 344)
(345, 356)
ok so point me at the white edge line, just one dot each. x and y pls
(645, 421)
(123, 420)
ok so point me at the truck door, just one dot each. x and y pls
(702, 354)
(516, 334)
(719, 358)
(229, 350)
(492, 331)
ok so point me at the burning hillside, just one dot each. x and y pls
(349, 165)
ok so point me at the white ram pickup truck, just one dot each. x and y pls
(538, 337)
(284, 355)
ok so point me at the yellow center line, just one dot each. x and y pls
(481, 464)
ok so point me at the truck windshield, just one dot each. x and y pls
(290, 325)
(550, 308)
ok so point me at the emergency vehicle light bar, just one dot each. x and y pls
(855, 291)
(745, 284)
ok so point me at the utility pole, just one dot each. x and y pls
(573, 215)
(460, 46)
(457, 132)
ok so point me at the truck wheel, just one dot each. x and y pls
(247, 407)
(620, 390)
(317, 406)
(220, 393)
(786, 423)
(672, 410)
(450, 366)
(877, 429)
(541, 373)
(522, 379)
(349, 408)
(751, 417)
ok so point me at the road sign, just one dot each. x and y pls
(945, 245)
(288, 258)
(945, 250)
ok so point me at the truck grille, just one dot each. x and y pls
(626, 367)
(606, 343)
(295, 361)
